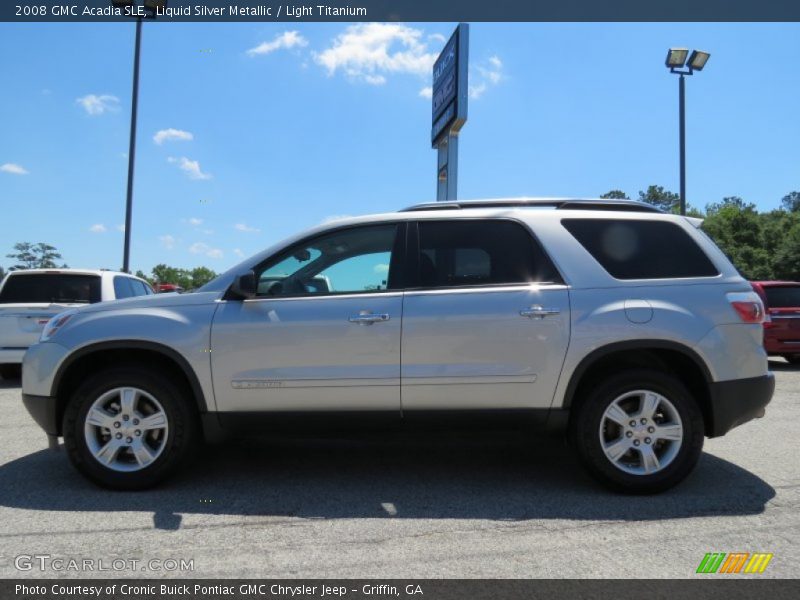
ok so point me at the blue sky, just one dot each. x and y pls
(319, 120)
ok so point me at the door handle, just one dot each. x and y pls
(538, 312)
(366, 318)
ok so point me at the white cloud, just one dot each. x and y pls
(202, 248)
(13, 168)
(485, 75)
(98, 228)
(382, 268)
(195, 221)
(437, 37)
(167, 241)
(97, 105)
(477, 90)
(426, 92)
(238, 252)
(370, 51)
(172, 135)
(246, 228)
(121, 228)
(283, 41)
(190, 167)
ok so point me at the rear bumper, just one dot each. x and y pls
(43, 410)
(738, 401)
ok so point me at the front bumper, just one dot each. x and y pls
(44, 411)
(738, 401)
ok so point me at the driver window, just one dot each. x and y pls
(349, 261)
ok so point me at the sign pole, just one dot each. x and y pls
(447, 168)
(449, 104)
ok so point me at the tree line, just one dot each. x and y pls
(27, 255)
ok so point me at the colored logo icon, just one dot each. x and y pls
(735, 562)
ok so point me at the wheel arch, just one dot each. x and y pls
(71, 372)
(669, 356)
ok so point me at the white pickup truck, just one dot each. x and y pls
(30, 298)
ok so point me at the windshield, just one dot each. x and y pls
(50, 287)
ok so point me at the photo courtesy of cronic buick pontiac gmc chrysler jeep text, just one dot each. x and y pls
(625, 327)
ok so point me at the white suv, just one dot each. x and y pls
(30, 298)
(625, 327)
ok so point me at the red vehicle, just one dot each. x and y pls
(163, 288)
(782, 326)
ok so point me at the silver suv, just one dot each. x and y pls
(622, 326)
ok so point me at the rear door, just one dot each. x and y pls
(487, 324)
(29, 300)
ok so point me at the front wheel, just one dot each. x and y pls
(129, 428)
(639, 432)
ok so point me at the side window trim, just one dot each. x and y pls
(414, 251)
(400, 245)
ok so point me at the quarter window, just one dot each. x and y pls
(471, 252)
(636, 249)
(122, 288)
(354, 260)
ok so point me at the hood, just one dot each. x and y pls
(154, 301)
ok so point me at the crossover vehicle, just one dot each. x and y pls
(622, 326)
(782, 325)
(30, 298)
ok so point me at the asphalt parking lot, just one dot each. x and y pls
(405, 507)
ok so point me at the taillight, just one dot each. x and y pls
(749, 311)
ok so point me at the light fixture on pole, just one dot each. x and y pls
(151, 8)
(677, 63)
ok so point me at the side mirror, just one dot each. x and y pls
(244, 286)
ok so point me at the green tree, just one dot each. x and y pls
(165, 274)
(791, 202)
(615, 195)
(34, 256)
(786, 261)
(738, 230)
(141, 275)
(201, 276)
(661, 198)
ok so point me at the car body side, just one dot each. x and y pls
(689, 326)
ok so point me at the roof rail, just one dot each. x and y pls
(556, 203)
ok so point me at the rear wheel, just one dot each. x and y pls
(639, 432)
(129, 428)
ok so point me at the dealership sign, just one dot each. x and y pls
(449, 98)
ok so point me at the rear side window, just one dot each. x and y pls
(783, 297)
(125, 287)
(467, 253)
(634, 249)
(51, 287)
(140, 288)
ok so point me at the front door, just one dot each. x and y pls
(323, 332)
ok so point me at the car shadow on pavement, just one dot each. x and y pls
(782, 365)
(453, 476)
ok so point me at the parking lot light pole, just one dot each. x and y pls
(151, 6)
(676, 63)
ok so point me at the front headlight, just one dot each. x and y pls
(54, 324)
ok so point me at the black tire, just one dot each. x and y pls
(793, 359)
(182, 419)
(588, 415)
(10, 371)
